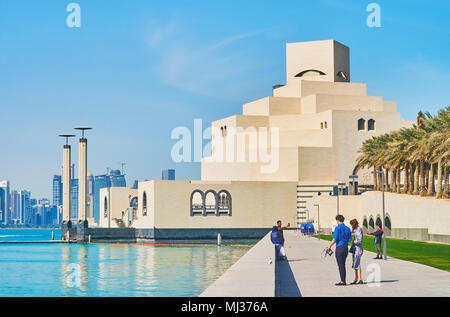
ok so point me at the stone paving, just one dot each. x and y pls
(316, 275)
(308, 273)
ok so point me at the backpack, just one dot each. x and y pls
(275, 237)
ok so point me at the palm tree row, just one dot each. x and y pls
(421, 153)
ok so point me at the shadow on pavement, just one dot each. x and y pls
(296, 260)
(285, 283)
(386, 281)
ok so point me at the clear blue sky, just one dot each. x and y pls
(137, 69)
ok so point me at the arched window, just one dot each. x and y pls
(134, 202)
(144, 204)
(210, 202)
(379, 223)
(321, 125)
(197, 202)
(361, 124)
(387, 226)
(309, 73)
(326, 125)
(371, 224)
(105, 208)
(371, 125)
(365, 224)
(224, 204)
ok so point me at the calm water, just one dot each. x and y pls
(108, 269)
(29, 234)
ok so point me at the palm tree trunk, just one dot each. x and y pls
(439, 179)
(446, 183)
(422, 179)
(431, 181)
(411, 177)
(398, 174)
(393, 181)
(406, 180)
(416, 179)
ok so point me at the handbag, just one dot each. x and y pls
(352, 249)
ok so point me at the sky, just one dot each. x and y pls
(135, 70)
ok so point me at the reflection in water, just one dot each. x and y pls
(112, 269)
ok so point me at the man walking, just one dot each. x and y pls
(341, 237)
(378, 234)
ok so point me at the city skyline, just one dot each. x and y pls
(120, 74)
(26, 209)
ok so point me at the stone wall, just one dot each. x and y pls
(135, 235)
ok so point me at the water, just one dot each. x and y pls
(29, 234)
(42, 269)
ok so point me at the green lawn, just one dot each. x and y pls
(432, 254)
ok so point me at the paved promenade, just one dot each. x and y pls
(316, 275)
(308, 273)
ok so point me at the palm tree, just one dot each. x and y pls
(422, 152)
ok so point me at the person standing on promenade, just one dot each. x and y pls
(357, 250)
(341, 237)
(277, 240)
(280, 229)
(378, 234)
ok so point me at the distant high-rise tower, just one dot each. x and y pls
(100, 181)
(117, 179)
(14, 203)
(57, 190)
(74, 198)
(25, 206)
(168, 174)
(90, 195)
(4, 200)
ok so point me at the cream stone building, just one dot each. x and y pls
(268, 162)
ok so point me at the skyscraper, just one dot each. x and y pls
(31, 218)
(14, 201)
(42, 214)
(4, 201)
(57, 190)
(74, 198)
(25, 206)
(117, 179)
(90, 196)
(168, 174)
(100, 181)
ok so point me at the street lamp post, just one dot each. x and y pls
(338, 187)
(384, 214)
(318, 220)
